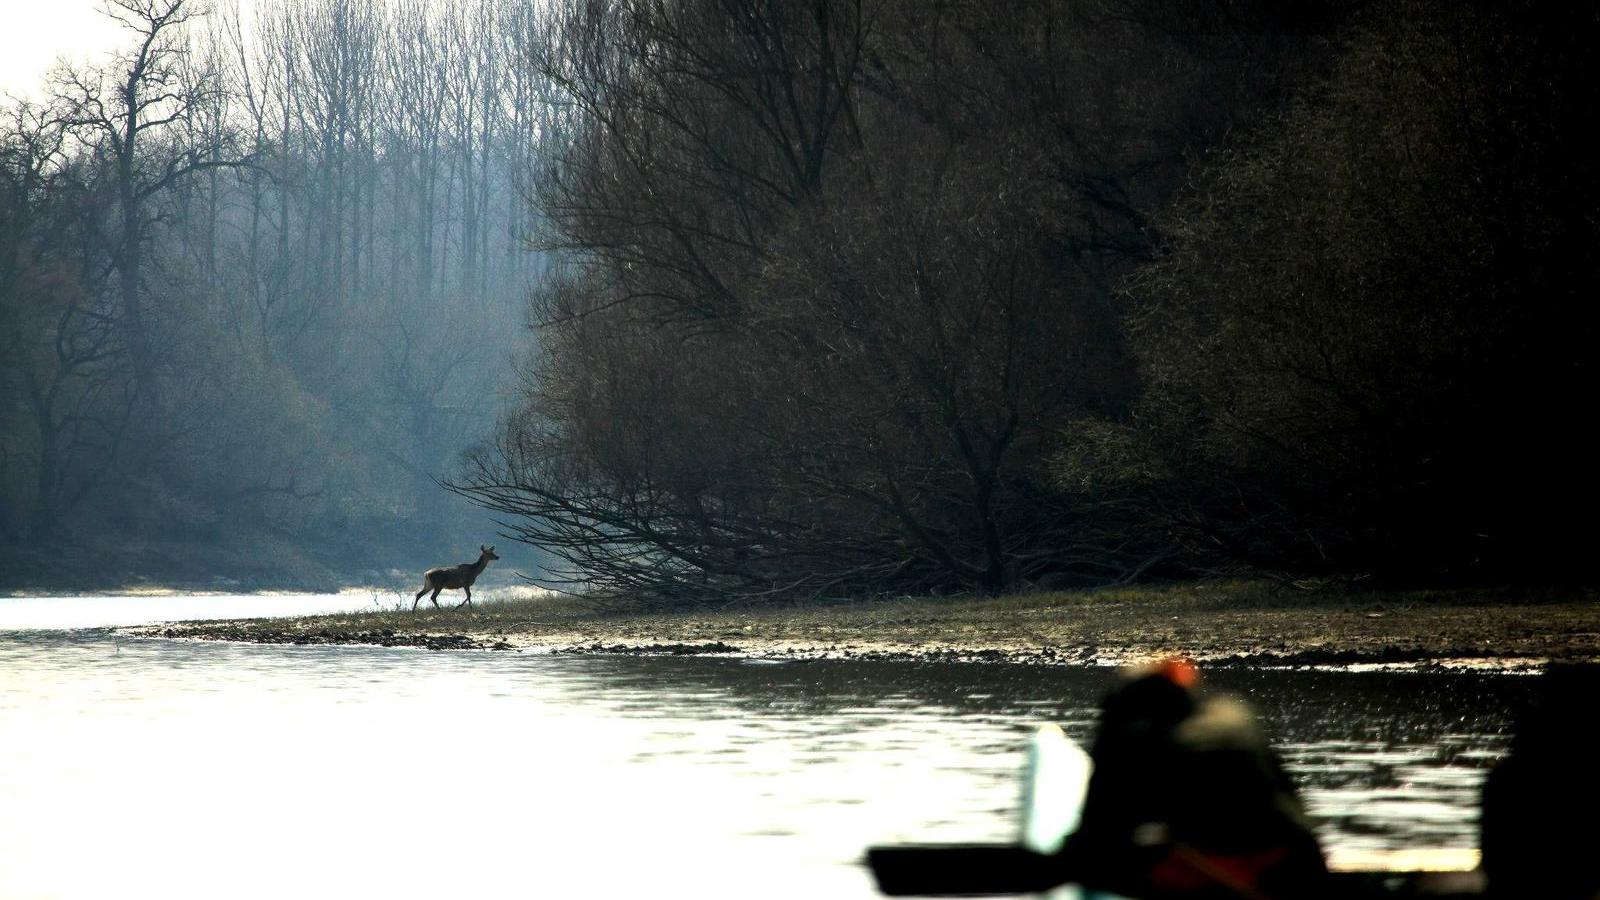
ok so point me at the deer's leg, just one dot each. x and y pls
(468, 589)
(435, 597)
(418, 598)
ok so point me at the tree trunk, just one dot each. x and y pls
(42, 522)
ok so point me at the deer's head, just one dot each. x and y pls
(488, 552)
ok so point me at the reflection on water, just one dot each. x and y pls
(101, 611)
(146, 768)
(1387, 762)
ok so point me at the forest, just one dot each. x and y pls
(262, 275)
(825, 298)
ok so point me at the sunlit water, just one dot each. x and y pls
(148, 768)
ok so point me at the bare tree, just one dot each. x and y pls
(136, 110)
(304, 248)
(60, 344)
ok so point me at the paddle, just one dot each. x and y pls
(1053, 787)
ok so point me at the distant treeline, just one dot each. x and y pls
(262, 275)
(930, 295)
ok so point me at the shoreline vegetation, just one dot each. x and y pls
(1043, 293)
(1246, 623)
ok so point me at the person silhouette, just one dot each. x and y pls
(1540, 803)
(1187, 799)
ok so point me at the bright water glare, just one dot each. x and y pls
(152, 768)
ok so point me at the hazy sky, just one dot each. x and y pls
(33, 33)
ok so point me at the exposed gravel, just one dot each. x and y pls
(1224, 624)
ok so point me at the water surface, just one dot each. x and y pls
(175, 769)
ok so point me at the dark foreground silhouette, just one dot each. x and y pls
(1540, 802)
(1188, 801)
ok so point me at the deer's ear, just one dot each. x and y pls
(482, 547)
(491, 548)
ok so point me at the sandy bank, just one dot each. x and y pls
(1226, 624)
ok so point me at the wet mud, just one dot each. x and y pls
(1223, 627)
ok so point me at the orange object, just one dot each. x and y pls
(1181, 672)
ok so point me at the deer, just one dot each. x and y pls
(453, 577)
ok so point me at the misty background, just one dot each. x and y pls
(264, 276)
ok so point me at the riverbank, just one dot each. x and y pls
(1234, 623)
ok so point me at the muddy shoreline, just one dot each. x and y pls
(1220, 624)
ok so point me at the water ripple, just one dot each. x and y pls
(182, 766)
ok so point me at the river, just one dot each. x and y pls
(151, 768)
